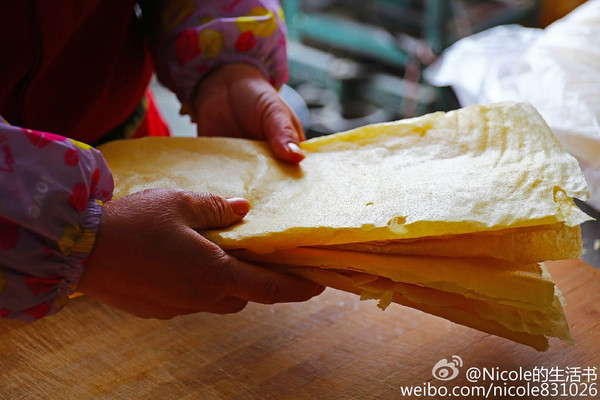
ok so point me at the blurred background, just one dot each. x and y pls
(354, 62)
(358, 62)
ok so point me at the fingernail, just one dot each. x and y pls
(294, 148)
(239, 205)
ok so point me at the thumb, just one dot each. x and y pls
(283, 132)
(209, 211)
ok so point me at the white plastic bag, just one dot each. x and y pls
(556, 69)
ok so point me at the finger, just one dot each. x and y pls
(298, 126)
(209, 211)
(284, 133)
(228, 305)
(260, 285)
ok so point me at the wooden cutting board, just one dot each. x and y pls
(331, 347)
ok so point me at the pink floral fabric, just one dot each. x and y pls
(51, 191)
(192, 37)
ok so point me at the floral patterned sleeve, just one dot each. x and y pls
(190, 38)
(51, 191)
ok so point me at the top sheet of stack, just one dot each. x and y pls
(477, 169)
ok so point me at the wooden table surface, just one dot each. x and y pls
(331, 347)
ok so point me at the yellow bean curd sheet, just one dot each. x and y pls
(449, 213)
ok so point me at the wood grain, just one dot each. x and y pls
(331, 347)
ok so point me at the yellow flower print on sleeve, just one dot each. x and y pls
(260, 21)
(206, 20)
(81, 145)
(76, 240)
(211, 42)
(281, 14)
(175, 12)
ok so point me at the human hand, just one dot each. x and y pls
(149, 261)
(236, 101)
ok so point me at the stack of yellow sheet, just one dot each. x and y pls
(450, 213)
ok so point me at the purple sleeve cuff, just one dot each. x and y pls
(50, 193)
(80, 248)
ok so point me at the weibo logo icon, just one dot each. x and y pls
(445, 370)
